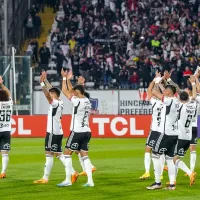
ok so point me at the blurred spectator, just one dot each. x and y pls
(37, 23)
(44, 57)
(34, 45)
(134, 81)
(124, 75)
(29, 23)
(60, 60)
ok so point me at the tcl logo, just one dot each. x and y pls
(118, 126)
(18, 126)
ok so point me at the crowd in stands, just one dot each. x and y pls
(121, 43)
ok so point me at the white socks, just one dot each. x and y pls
(180, 164)
(5, 160)
(171, 170)
(147, 161)
(68, 168)
(157, 167)
(48, 166)
(162, 162)
(81, 162)
(193, 157)
(88, 169)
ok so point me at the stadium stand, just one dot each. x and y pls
(120, 44)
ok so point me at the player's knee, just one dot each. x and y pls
(192, 148)
(155, 155)
(4, 152)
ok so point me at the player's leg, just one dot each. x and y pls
(170, 145)
(84, 144)
(182, 147)
(4, 148)
(72, 144)
(156, 163)
(83, 173)
(49, 160)
(147, 163)
(193, 155)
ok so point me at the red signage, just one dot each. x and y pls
(103, 126)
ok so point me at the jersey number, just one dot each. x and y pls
(5, 115)
(84, 118)
(188, 121)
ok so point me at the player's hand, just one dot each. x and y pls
(81, 80)
(44, 74)
(192, 79)
(70, 75)
(63, 73)
(158, 74)
(1, 80)
(167, 75)
(41, 78)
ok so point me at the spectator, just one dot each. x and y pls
(124, 75)
(29, 22)
(60, 60)
(37, 23)
(44, 57)
(72, 43)
(56, 38)
(34, 45)
(134, 80)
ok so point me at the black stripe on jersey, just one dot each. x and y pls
(168, 108)
(75, 112)
(153, 107)
(179, 114)
(54, 111)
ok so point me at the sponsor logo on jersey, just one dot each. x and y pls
(74, 146)
(162, 150)
(6, 146)
(181, 151)
(54, 147)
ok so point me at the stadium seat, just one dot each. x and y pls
(55, 84)
(89, 84)
(37, 78)
(37, 87)
(50, 72)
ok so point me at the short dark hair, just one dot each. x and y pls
(80, 88)
(87, 95)
(184, 96)
(171, 87)
(3, 95)
(55, 90)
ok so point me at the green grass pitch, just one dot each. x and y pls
(119, 164)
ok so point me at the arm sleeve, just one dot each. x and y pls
(74, 100)
(167, 100)
(54, 103)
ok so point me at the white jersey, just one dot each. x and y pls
(169, 116)
(54, 125)
(187, 114)
(194, 122)
(6, 108)
(157, 106)
(80, 115)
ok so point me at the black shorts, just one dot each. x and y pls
(166, 145)
(181, 147)
(53, 143)
(5, 141)
(152, 139)
(78, 141)
(194, 136)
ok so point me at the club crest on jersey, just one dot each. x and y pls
(94, 104)
(6, 146)
(162, 150)
(74, 146)
(181, 151)
(54, 147)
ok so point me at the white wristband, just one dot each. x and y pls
(169, 79)
(42, 84)
(193, 83)
(64, 78)
(158, 79)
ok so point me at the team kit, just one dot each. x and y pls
(173, 129)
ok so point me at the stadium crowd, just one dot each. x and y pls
(121, 43)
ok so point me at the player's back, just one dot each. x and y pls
(187, 114)
(80, 115)
(54, 117)
(6, 108)
(157, 106)
(169, 116)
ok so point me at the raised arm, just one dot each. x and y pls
(167, 76)
(44, 88)
(3, 87)
(197, 83)
(149, 90)
(46, 82)
(194, 89)
(68, 93)
(69, 84)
